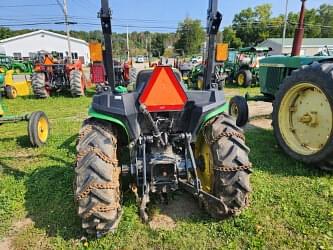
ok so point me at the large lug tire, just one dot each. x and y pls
(11, 92)
(239, 110)
(97, 174)
(38, 128)
(244, 78)
(303, 115)
(39, 86)
(76, 85)
(223, 166)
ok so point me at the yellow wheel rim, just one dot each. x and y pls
(204, 157)
(305, 118)
(2, 70)
(241, 79)
(14, 92)
(234, 110)
(43, 129)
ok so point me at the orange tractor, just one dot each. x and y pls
(52, 77)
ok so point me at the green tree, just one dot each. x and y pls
(252, 26)
(325, 18)
(5, 33)
(229, 36)
(158, 44)
(191, 35)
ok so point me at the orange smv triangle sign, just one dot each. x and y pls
(163, 92)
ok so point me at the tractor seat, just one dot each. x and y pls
(144, 76)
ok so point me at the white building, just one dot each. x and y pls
(310, 46)
(27, 45)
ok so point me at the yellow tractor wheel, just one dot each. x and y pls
(11, 92)
(223, 166)
(303, 115)
(38, 128)
(244, 78)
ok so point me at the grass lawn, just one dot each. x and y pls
(291, 204)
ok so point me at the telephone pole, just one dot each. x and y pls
(65, 11)
(285, 26)
(127, 45)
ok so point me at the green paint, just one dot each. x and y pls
(95, 114)
(220, 110)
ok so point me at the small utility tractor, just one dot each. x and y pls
(38, 124)
(301, 90)
(12, 88)
(50, 77)
(7, 63)
(242, 66)
(176, 138)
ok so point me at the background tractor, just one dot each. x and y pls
(300, 88)
(176, 138)
(38, 124)
(11, 88)
(7, 63)
(125, 73)
(50, 76)
(242, 66)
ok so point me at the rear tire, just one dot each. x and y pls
(230, 181)
(306, 136)
(38, 85)
(246, 75)
(97, 173)
(76, 86)
(239, 110)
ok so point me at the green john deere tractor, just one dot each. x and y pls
(176, 138)
(242, 66)
(301, 90)
(7, 63)
(38, 124)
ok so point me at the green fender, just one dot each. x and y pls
(222, 109)
(95, 114)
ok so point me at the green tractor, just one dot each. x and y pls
(242, 66)
(301, 90)
(38, 124)
(176, 139)
(7, 63)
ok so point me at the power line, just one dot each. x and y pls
(26, 5)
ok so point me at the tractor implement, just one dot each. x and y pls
(176, 138)
(300, 89)
(38, 125)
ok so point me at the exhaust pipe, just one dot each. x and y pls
(299, 33)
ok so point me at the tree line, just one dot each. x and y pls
(249, 27)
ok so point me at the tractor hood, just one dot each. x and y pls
(291, 61)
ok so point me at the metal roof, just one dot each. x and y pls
(309, 42)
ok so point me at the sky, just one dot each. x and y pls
(139, 15)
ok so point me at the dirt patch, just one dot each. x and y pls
(263, 123)
(259, 109)
(18, 226)
(181, 207)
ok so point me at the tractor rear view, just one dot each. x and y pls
(301, 90)
(52, 77)
(176, 138)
